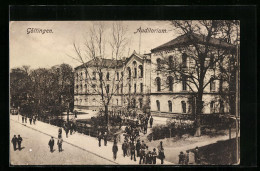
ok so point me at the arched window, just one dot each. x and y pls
(94, 76)
(170, 62)
(122, 87)
(184, 60)
(170, 105)
(212, 107)
(134, 88)
(81, 88)
(117, 102)
(170, 83)
(134, 63)
(129, 86)
(141, 71)
(140, 103)
(158, 83)
(221, 106)
(141, 87)
(212, 84)
(94, 87)
(129, 72)
(101, 75)
(107, 75)
(158, 60)
(183, 104)
(158, 105)
(135, 72)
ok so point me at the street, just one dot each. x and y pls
(35, 150)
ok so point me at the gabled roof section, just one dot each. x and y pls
(104, 63)
(187, 40)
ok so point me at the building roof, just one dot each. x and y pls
(185, 40)
(104, 63)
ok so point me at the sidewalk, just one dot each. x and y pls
(84, 142)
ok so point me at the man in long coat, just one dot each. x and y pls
(14, 141)
(19, 141)
(51, 144)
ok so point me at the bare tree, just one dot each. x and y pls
(94, 59)
(204, 50)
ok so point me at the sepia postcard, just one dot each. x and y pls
(128, 92)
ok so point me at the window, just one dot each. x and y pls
(141, 103)
(117, 89)
(158, 63)
(134, 103)
(184, 82)
(117, 102)
(117, 74)
(158, 105)
(129, 72)
(129, 86)
(94, 87)
(141, 71)
(135, 88)
(221, 105)
(101, 75)
(107, 88)
(170, 83)
(170, 62)
(135, 72)
(170, 106)
(184, 60)
(86, 87)
(94, 76)
(107, 75)
(212, 107)
(122, 87)
(183, 104)
(211, 63)
(141, 87)
(220, 85)
(212, 84)
(80, 87)
(158, 83)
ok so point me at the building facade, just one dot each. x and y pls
(146, 81)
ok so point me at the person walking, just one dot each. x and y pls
(14, 141)
(181, 158)
(19, 141)
(67, 131)
(154, 155)
(51, 144)
(105, 139)
(71, 128)
(196, 155)
(115, 150)
(99, 139)
(161, 152)
(138, 147)
(187, 157)
(60, 132)
(25, 119)
(151, 122)
(22, 119)
(132, 148)
(59, 143)
(124, 148)
(30, 119)
(142, 155)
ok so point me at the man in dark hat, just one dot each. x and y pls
(19, 141)
(14, 141)
(151, 122)
(154, 155)
(187, 157)
(59, 143)
(51, 144)
(22, 119)
(99, 139)
(161, 152)
(132, 148)
(30, 119)
(105, 139)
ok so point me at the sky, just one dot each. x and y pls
(49, 49)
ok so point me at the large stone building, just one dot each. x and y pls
(146, 83)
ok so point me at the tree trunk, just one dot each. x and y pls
(106, 116)
(199, 106)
